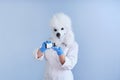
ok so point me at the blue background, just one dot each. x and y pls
(25, 24)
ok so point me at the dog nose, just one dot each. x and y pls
(58, 35)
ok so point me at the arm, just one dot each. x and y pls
(62, 59)
(68, 61)
(60, 54)
(39, 52)
(71, 57)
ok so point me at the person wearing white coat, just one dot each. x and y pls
(61, 57)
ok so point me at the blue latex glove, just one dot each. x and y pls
(43, 47)
(58, 50)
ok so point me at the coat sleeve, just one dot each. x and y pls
(35, 55)
(71, 57)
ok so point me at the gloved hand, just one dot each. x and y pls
(43, 47)
(58, 50)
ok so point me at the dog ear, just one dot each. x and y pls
(69, 38)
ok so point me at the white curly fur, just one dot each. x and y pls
(58, 21)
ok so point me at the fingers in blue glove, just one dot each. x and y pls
(45, 45)
(58, 50)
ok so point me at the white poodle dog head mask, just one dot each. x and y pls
(61, 29)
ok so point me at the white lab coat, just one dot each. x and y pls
(54, 70)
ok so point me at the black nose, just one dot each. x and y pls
(58, 35)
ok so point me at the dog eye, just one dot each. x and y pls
(55, 29)
(62, 28)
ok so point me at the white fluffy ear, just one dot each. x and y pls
(69, 38)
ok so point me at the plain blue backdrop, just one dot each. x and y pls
(24, 24)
